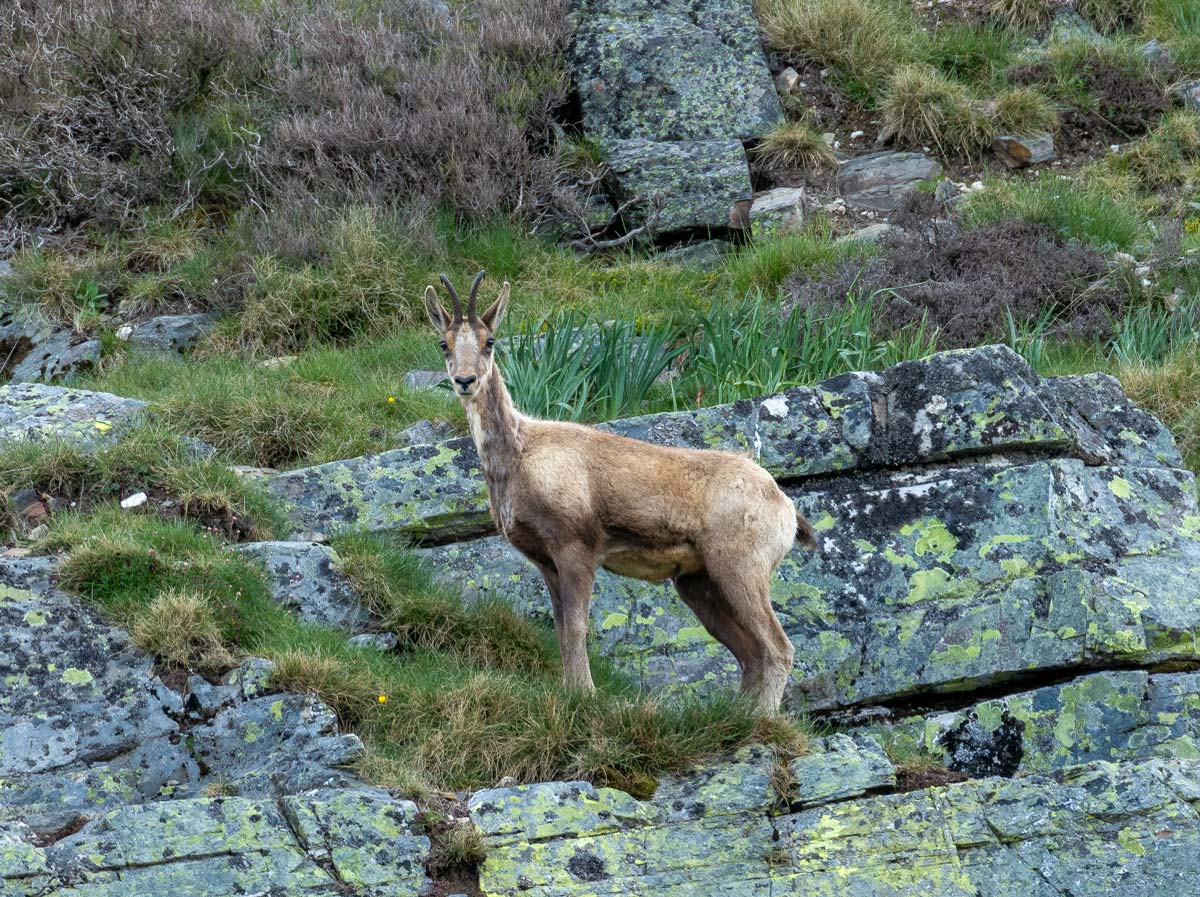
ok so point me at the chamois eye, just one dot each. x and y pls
(445, 346)
(490, 342)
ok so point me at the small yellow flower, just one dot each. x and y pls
(383, 699)
(391, 400)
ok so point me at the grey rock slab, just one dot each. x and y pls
(425, 379)
(304, 577)
(1089, 830)
(1188, 93)
(172, 333)
(1021, 151)
(276, 744)
(940, 581)
(881, 181)
(35, 411)
(1115, 715)
(696, 185)
(953, 404)
(839, 767)
(370, 838)
(672, 71)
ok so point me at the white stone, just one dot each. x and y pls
(134, 501)
(124, 332)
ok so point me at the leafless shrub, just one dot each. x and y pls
(88, 89)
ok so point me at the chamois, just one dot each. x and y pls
(571, 498)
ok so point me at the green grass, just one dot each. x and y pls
(794, 148)
(472, 695)
(152, 460)
(975, 54)
(864, 40)
(1072, 208)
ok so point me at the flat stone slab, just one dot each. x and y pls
(950, 405)
(693, 185)
(668, 71)
(304, 577)
(35, 411)
(170, 333)
(1086, 831)
(947, 580)
(881, 181)
(1113, 715)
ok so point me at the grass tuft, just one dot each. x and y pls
(1022, 15)
(183, 630)
(864, 39)
(794, 148)
(1167, 388)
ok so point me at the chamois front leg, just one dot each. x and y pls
(550, 577)
(576, 572)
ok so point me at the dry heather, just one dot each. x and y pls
(107, 106)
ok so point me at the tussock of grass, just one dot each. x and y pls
(359, 290)
(1021, 14)
(1168, 156)
(1110, 15)
(182, 629)
(864, 39)
(399, 589)
(149, 459)
(924, 107)
(762, 266)
(794, 147)
(1074, 210)
(445, 718)
(1169, 390)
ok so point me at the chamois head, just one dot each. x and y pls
(466, 340)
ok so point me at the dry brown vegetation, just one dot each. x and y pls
(107, 105)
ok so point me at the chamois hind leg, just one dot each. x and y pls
(576, 568)
(734, 604)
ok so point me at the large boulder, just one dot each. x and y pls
(34, 411)
(1087, 831)
(304, 577)
(684, 185)
(672, 71)
(976, 522)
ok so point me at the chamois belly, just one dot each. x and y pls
(653, 564)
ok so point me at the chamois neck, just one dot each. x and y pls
(495, 425)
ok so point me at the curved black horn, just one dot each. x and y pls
(474, 292)
(458, 315)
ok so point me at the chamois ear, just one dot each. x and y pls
(437, 315)
(495, 314)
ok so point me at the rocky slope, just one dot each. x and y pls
(1007, 579)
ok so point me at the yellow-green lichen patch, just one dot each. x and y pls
(74, 676)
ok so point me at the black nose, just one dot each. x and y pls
(464, 382)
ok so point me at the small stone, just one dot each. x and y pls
(869, 234)
(425, 379)
(279, 361)
(18, 552)
(172, 333)
(380, 641)
(1188, 93)
(778, 211)
(124, 332)
(854, 135)
(1022, 151)
(134, 501)
(38, 532)
(424, 432)
(249, 472)
(881, 181)
(788, 81)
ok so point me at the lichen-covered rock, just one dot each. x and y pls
(276, 744)
(171, 333)
(304, 577)
(665, 71)
(837, 768)
(36, 411)
(953, 404)
(1112, 715)
(881, 181)
(1079, 831)
(693, 185)
(33, 350)
(366, 835)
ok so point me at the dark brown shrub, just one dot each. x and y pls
(88, 92)
(966, 279)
